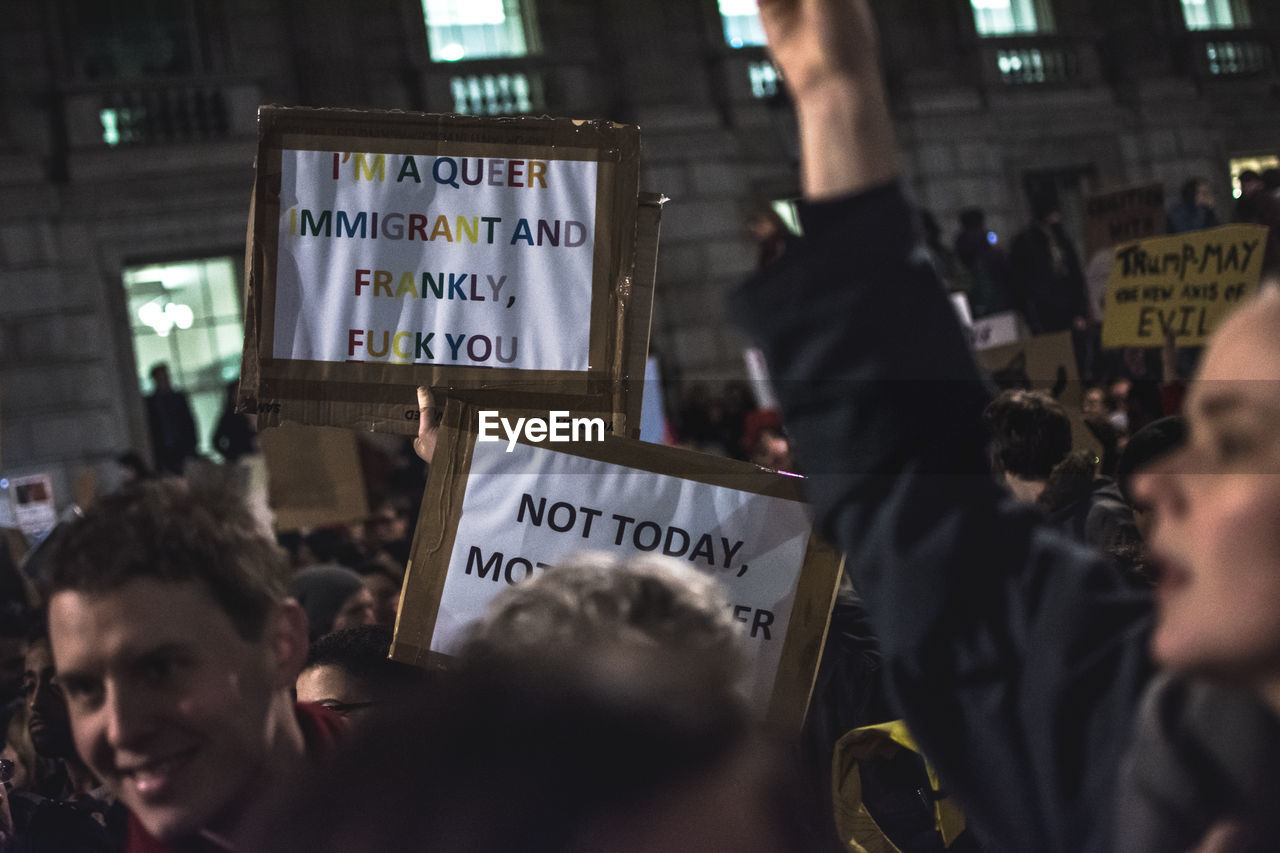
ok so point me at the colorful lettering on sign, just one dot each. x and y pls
(444, 171)
(404, 347)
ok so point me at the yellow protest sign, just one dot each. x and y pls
(1185, 284)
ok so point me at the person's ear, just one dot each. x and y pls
(287, 641)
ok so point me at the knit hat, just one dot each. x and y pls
(322, 590)
(1156, 439)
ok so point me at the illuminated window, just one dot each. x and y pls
(187, 314)
(497, 94)
(1215, 14)
(110, 126)
(741, 23)
(478, 29)
(1011, 17)
(764, 79)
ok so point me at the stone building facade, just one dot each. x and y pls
(127, 137)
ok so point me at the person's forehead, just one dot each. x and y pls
(328, 681)
(143, 613)
(1247, 346)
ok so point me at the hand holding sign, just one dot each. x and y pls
(428, 426)
(828, 54)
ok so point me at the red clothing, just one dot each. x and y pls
(322, 730)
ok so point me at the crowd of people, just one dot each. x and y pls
(1036, 646)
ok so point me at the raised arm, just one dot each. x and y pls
(1016, 658)
(830, 59)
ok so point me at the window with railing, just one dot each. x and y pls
(1236, 58)
(144, 71)
(479, 29)
(497, 94)
(1215, 14)
(177, 112)
(186, 314)
(1011, 17)
(741, 20)
(1033, 65)
(1222, 45)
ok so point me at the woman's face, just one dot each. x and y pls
(1216, 536)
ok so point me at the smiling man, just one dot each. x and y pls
(176, 649)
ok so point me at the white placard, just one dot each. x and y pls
(414, 259)
(31, 499)
(996, 330)
(525, 510)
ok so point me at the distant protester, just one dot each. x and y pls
(1030, 434)
(333, 597)
(1194, 209)
(173, 428)
(384, 583)
(236, 434)
(984, 266)
(349, 673)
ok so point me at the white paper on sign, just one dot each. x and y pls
(461, 261)
(996, 330)
(753, 544)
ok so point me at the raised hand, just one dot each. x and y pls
(821, 43)
(428, 426)
(827, 52)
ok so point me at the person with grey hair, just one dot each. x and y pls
(596, 597)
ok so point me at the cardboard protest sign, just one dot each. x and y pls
(496, 513)
(1122, 216)
(313, 477)
(391, 250)
(1186, 284)
(1046, 362)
